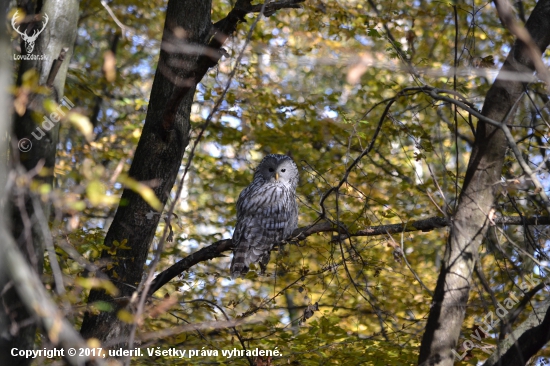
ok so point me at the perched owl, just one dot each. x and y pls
(267, 213)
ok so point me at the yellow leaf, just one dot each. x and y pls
(125, 316)
(95, 192)
(144, 191)
(93, 282)
(83, 124)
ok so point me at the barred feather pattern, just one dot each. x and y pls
(267, 213)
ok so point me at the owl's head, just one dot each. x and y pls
(278, 168)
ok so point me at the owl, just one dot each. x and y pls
(267, 213)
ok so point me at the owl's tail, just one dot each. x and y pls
(238, 267)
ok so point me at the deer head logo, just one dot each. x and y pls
(29, 40)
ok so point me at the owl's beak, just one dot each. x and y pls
(277, 176)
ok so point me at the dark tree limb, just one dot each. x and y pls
(157, 158)
(213, 52)
(210, 252)
(519, 307)
(217, 249)
(185, 58)
(525, 341)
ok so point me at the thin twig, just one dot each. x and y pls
(504, 9)
(435, 93)
(409, 265)
(123, 27)
(237, 334)
(356, 161)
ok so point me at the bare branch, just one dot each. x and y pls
(272, 7)
(217, 249)
(525, 341)
(505, 13)
(435, 93)
(38, 302)
(123, 27)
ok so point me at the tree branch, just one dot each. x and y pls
(524, 342)
(272, 7)
(506, 14)
(38, 303)
(212, 53)
(183, 62)
(217, 249)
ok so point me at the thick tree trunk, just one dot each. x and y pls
(157, 158)
(190, 46)
(476, 200)
(58, 33)
(5, 109)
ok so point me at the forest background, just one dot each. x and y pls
(422, 216)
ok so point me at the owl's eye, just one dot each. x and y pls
(271, 170)
(283, 170)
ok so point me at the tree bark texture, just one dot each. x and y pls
(59, 33)
(191, 45)
(157, 158)
(5, 119)
(469, 224)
